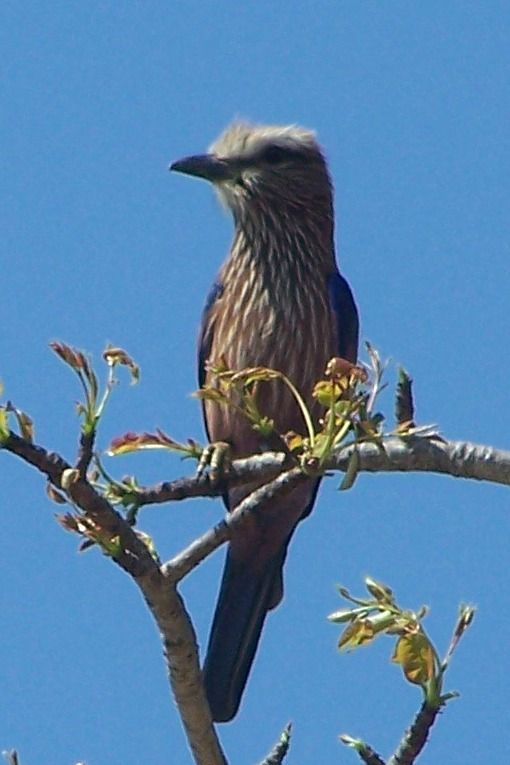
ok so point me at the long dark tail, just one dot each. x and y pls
(244, 600)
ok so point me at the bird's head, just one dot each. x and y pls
(258, 169)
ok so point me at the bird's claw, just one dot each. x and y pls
(216, 459)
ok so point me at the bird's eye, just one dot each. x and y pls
(274, 155)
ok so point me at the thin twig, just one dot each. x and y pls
(242, 471)
(11, 757)
(369, 756)
(415, 737)
(364, 751)
(179, 566)
(134, 556)
(85, 452)
(280, 749)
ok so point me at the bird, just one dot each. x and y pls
(279, 301)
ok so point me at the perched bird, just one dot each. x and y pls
(280, 302)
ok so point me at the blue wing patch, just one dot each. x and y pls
(207, 330)
(346, 315)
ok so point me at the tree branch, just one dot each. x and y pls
(411, 745)
(415, 737)
(266, 465)
(460, 459)
(86, 451)
(181, 654)
(158, 584)
(176, 630)
(177, 568)
(280, 749)
(134, 556)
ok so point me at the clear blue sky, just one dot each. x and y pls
(100, 243)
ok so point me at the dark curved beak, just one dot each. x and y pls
(206, 166)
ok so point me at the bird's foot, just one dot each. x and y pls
(216, 459)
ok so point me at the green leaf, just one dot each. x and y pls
(381, 592)
(358, 633)
(4, 425)
(342, 616)
(25, 423)
(415, 655)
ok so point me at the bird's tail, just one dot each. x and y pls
(244, 600)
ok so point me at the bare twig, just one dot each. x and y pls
(364, 751)
(12, 757)
(404, 404)
(415, 737)
(176, 568)
(261, 466)
(85, 453)
(134, 556)
(369, 756)
(280, 749)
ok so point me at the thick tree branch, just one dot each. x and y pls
(165, 604)
(460, 459)
(181, 654)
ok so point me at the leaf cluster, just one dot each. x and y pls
(379, 614)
